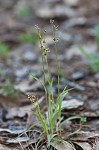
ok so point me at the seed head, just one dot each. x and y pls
(46, 51)
(32, 98)
(37, 27)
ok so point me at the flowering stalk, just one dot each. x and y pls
(54, 28)
(42, 49)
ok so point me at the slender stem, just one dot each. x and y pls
(57, 61)
(48, 69)
(57, 68)
(43, 64)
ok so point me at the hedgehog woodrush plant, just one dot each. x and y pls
(51, 122)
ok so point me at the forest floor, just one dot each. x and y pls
(76, 20)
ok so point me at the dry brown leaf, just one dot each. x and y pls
(62, 145)
(3, 147)
(8, 136)
(71, 104)
(17, 140)
(94, 142)
(84, 145)
(10, 131)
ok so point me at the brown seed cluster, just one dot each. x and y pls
(46, 51)
(37, 27)
(32, 98)
(43, 47)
